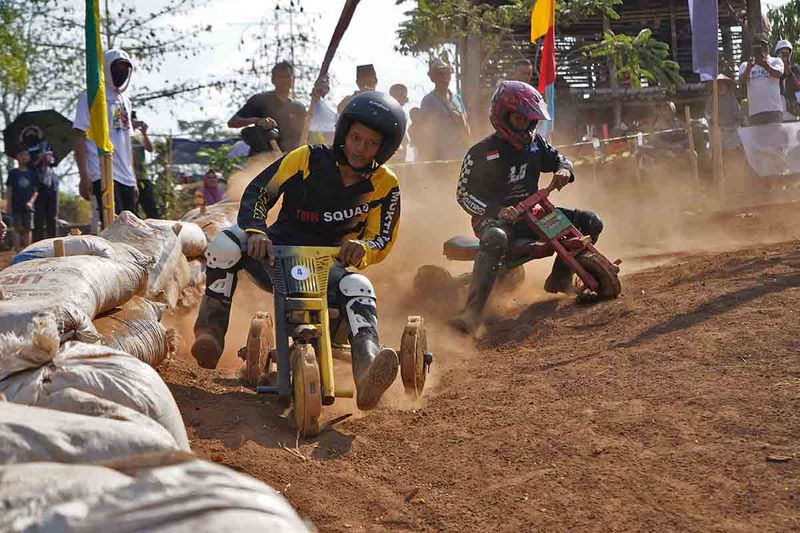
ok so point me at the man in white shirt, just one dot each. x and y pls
(118, 69)
(762, 74)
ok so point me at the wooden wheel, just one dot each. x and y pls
(605, 272)
(415, 359)
(260, 340)
(306, 390)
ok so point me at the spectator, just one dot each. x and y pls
(118, 70)
(212, 190)
(272, 110)
(141, 144)
(762, 75)
(417, 133)
(730, 115)
(668, 128)
(21, 196)
(523, 71)
(444, 115)
(399, 92)
(42, 161)
(366, 80)
(790, 81)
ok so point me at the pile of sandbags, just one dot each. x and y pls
(216, 217)
(86, 378)
(191, 497)
(73, 245)
(91, 438)
(136, 329)
(191, 237)
(169, 273)
(73, 290)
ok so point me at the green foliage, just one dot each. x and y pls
(160, 173)
(785, 22)
(218, 160)
(637, 58)
(13, 68)
(73, 208)
(434, 24)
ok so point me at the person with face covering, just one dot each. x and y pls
(42, 161)
(118, 70)
(339, 195)
(272, 110)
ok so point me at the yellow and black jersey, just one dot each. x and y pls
(317, 208)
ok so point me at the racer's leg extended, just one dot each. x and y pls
(374, 368)
(224, 261)
(494, 244)
(588, 223)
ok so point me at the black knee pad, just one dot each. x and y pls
(589, 224)
(494, 239)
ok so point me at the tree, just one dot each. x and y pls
(73, 208)
(637, 58)
(433, 24)
(13, 69)
(50, 35)
(287, 34)
(633, 59)
(217, 159)
(210, 128)
(785, 22)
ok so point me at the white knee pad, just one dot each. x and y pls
(223, 286)
(226, 248)
(362, 311)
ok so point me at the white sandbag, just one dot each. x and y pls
(73, 245)
(191, 497)
(169, 273)
(28, 490)
(71, 289)
(32, 434)
(31, 373)
(135, 329)
(190, 235)
(216, 218)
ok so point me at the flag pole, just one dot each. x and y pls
(107, 186)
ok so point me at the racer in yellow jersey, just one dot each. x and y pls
(339, 195)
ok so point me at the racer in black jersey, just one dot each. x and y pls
(497, 173)
(340, 195)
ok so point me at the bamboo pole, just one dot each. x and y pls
(692, 154)
(58, 248)
(716, 136)
(107, 187)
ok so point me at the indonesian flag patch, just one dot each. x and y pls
(491, 156)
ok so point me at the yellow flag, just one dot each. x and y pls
(542, 18)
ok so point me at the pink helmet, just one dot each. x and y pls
(525, 100)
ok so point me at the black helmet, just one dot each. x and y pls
(376, 111)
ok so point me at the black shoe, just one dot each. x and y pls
(376, 379)
(206, 350)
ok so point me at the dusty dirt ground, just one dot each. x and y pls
(674, 408)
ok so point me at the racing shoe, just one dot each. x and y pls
(206, 350)
(374, 369)
(466, 321)
(559, 282)
(376, 379)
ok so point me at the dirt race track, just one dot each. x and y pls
(674, 408)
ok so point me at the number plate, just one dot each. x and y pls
(553, 223)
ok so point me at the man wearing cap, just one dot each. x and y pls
(366, 80)
(118, 70)
(762, 75)
(444, 115)
(790, 81)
